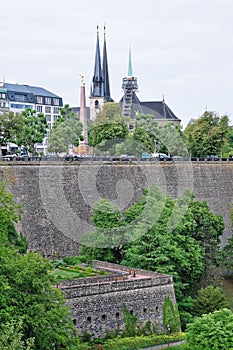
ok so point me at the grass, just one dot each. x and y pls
(70, 268)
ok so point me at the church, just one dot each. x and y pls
(130, 103)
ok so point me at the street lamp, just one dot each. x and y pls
(154, 146)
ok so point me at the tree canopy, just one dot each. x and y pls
(159, 233)
(33, 314)
(66, 131)
(207, 135)
(211, 331)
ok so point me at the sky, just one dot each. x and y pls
(181, 49)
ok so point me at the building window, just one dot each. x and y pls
(39, 99)
(56, 110)
(96, 103)
(15, 105)
(56, 101)
(39, 109)
(103, 317)
(49, 125)
(20, 98)
(47, 109)
(2, 95)
(48, 117)
(47, 100)
(89, 319)
(55, 117)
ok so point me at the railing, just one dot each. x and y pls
(112, 160)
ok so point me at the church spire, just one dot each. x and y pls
(106, 84)
(97, 81)
(130, 71)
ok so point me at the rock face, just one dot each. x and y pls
(59, 198)
(97, 303)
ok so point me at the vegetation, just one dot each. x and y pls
(66, 131)
(179, 237)
(10, 126)
(207, 135)
(32, 130)
(33, 314)
(211, 331)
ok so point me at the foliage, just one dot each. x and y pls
(66, 131)
(29, 304)
(33, 129)
(171, 318)
(10, 125)
(208, 300)
(130, 321)
(11, 337)
(173, 236)
(10, 214)
(207, 135)
(168, 138)
(137, 342)
(109, 128)
(211, 331)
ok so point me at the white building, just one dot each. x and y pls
(16, 98)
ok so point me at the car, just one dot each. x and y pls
(212, 157)
(177, 158)
(160, 156)
(115, 158)
(124, 157)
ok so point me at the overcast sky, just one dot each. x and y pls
(182, 49)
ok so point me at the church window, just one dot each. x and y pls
(96, 103)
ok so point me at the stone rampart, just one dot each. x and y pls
(97, 307)
(59, 198)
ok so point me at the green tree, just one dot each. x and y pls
(33, 129)
(211, 331)
(171, 317)
(159, 233)
(109, 127)
(66, 131)
(29, 304)
(10, 126)
(207, 135)
(209, 299)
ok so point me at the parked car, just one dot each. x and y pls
(124, 157)
(160, 156)
(175, 158)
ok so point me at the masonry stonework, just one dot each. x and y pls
(58, 198)
(97, 303)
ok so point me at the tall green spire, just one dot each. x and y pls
(130, 71)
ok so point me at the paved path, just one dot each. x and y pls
(163, 346)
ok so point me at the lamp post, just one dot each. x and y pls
(154, 146)
(168, 331)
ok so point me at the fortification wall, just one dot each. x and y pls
(59, 198)
(97, 307)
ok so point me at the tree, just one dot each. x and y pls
(66, 131)
(211, 331)
(159, 233)
(207, 135)
(10, 126)
(109, 127)
(30, 306)
(209, 299)
(33, 129)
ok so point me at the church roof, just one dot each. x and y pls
(159, 109)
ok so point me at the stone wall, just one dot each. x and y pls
(97, 306)
(59, 198)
